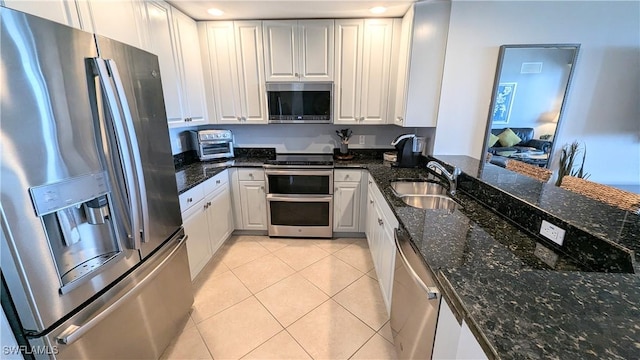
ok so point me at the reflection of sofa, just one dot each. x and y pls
(527, 143)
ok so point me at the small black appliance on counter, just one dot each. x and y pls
(409, 148)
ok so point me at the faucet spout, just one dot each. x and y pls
(452, 177)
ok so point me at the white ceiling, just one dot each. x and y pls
(289, 9)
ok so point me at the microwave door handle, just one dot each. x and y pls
(118, 126)
(279, 105)
(132, 140)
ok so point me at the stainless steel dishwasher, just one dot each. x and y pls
(415, 303)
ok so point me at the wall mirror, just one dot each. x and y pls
(529, 93)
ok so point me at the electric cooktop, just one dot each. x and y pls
(324, 160)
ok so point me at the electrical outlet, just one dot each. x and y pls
(552, 232)
(361, 139)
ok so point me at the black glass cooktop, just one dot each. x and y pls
(302, 160)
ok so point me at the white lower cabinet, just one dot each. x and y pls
(468, 345)
(207, 218)
(380, 227)
(196, 226)
(347, 201)
(249, 199)
(219, 216)
(447, 334)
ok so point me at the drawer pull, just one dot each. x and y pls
(380, 222)
(189, 200)
(217, 181)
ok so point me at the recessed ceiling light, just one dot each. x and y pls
(215, 12)
(378, 9)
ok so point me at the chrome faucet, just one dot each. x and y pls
(453, 178)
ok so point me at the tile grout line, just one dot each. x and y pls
(298, 272)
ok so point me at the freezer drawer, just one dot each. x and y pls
(155, 301)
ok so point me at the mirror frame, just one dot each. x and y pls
(496, 83)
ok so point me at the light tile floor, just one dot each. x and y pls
(268, 298)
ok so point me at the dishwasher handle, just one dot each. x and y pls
(431, 291)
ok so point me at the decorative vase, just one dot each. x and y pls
(344, 149)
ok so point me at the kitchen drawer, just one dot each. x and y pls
(347, 175)
(216, 182)
(248, 174)
(191, 197)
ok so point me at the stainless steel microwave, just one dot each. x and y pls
(300, 102)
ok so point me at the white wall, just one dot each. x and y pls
(603, 107)
(311, 138)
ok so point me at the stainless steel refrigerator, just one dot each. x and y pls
(93, 255)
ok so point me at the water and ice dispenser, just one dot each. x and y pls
(77, 215)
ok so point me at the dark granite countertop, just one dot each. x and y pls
(607, 222)
(516, 305)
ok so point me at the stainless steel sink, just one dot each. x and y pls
(430, 202)
(423, 194)
(403, 188)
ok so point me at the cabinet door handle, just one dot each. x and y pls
(206, 206)
(251, 175)
(296, 75)
(239, 118)
(399, 118)
(217, 181)
(335, 189)
(380, 222)
(189, 200)
(209, 203)
(371, 202)
(262, 188)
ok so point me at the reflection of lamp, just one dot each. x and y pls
(549, 122)
(549, 117)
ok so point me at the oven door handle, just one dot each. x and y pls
(299, 198)
(298, 172)
(214, 142)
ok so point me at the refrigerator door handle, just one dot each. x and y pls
(130, 178)
(132, 140)
(75, 332)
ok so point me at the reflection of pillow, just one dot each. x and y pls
(493, 140)
(508, 138)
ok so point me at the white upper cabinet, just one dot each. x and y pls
(189, 67)
(298, 50)
(363, 63)
(421, 64)
(221, 71)
(119, 20)
(60, 11)
(161, 43)
(250, 60)
(173, 37)
(233, 62)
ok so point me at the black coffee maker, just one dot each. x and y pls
(407, 147)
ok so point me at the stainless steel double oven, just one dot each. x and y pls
(300, 196)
